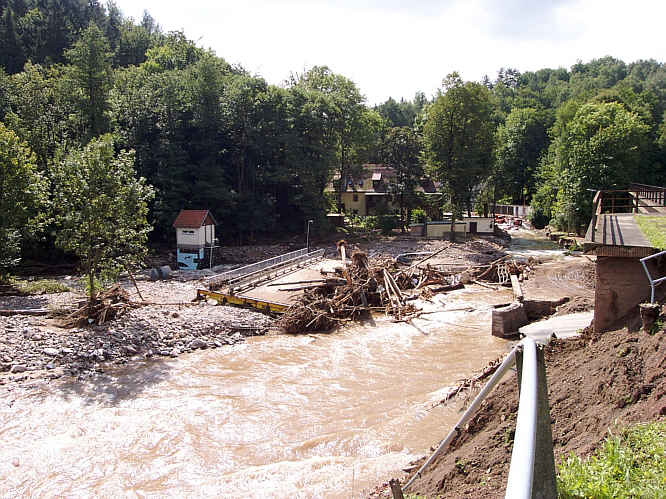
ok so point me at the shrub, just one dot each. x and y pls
(387, 223)
(630, 464)
(419, 216)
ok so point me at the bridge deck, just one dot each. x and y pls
(619, 230)
(269, 292)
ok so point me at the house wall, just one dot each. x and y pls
(209, 234)
(351, 205)
(516, 210)
(484, 225)
(439, 230)
(190, 237)
(195, 237)
(621, 284)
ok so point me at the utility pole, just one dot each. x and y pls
(307, 237)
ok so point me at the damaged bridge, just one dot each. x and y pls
(268, 285)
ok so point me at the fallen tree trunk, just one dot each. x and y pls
(25, 311)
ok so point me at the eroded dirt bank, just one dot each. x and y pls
(594, 384)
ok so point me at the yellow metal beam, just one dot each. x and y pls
(227, 299)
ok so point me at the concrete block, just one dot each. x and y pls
(507, 320)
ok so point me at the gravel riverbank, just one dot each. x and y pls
(34, 347)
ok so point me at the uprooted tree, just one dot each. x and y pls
(102, 209)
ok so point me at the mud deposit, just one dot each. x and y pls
(594, 384)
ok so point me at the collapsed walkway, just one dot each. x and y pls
(267, 285)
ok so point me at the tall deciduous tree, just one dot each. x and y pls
(91, 71)
(602, 148)
(12, 56)
(345, 117)
(459, 140)
(23, 195)
(101, 208)
(520, 142)
(401, 150)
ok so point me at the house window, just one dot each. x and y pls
(188, 232)
(360, 183)
(355, 197)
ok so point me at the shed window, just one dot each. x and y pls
(355, 197)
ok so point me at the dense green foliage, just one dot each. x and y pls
(401, 150)
(630, 464)
(22, 197)
(207, 134)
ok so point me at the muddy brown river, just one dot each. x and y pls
(325, 415)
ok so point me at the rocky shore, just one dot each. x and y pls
(33, 347)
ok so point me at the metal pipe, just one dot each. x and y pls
(653, 282)
(471, 410)
(521, 472)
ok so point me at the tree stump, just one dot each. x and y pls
(649, 314)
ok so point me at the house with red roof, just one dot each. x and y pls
(195, 238)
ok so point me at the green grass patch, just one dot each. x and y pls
(38, 287)
(629, 464)
(654, 229)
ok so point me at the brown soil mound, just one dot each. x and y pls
(576, 304)
(594, 384)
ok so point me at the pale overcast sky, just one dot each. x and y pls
(396, 48)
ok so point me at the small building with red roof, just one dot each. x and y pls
(195, 235)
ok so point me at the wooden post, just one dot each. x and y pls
(517, 291)
(395, 489)
(134, 282)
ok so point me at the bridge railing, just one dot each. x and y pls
(532, 471)
(255, 268)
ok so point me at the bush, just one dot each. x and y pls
(387, 223)
(631, 464)
(539, 219)
(419, 216)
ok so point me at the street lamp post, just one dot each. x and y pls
(307, 237)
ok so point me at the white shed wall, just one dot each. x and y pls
(190, 237)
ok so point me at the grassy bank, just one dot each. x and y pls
(631, 463)
(654, 229)
(17, 286)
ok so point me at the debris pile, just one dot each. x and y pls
(109, 304)
(380, 284)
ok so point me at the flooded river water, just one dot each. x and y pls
(324, 415)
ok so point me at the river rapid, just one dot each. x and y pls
(322, 415)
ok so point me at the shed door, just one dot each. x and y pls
(472, 227)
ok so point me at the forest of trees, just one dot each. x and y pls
(207, 134)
